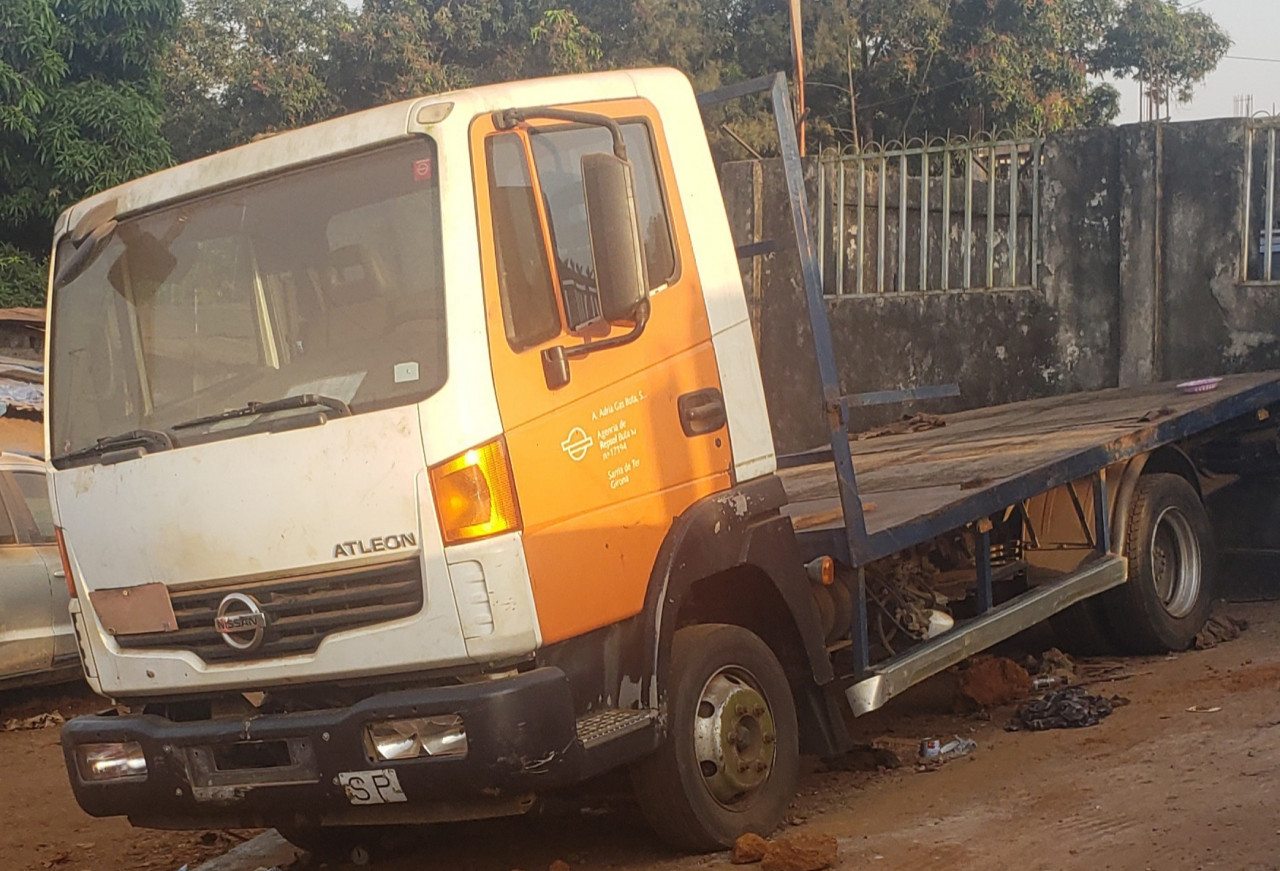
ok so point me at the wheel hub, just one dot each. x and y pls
(1175, 562)
(734, 737)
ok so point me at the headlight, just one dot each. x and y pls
(98, 762)
(421, 736)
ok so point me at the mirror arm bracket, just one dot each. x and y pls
(555, 360)
(642, 319)
(508, 119)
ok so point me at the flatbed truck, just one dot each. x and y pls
(416, 464)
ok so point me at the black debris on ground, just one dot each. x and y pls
(1070, 708)
(1220, 628)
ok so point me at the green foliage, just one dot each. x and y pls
(404, 48)
(562, 44)
(242, 68)
(877, 69)
(22, 277)
(1169, 49)
(79, 111)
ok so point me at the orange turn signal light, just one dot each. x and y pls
(66, 561)
(475, 494)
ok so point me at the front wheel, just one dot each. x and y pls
(731, 759)
(353, 844)
(1172, 563)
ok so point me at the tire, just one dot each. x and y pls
(353, 844)
(719, 774)
(1172, 569)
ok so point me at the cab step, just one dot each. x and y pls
(598, 727)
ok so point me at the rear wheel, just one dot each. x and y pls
(731, 758)
(1172, 567)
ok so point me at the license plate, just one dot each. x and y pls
(372, 787)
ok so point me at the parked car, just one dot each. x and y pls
(37, 642)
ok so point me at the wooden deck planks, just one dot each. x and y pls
(904, 477)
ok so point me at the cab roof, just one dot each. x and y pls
(360, 130)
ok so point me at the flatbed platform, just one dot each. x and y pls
(915, 486)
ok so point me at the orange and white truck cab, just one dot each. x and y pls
(369, 443)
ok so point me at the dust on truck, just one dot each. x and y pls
(413, 464)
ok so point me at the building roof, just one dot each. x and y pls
(33, 316)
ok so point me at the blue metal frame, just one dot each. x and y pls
(834, 402)
(985, 501)
(910, 394)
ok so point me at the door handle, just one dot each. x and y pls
(701, 411)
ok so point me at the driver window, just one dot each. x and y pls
(529, 309)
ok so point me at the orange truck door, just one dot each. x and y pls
(603, 464)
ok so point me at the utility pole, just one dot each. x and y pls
(797, 63)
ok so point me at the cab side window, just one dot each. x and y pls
(532, 298)
(524, 273)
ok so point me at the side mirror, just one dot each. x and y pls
(614, 229)
(83, 252)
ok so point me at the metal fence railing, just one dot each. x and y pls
(943, 215)
(1261, 260)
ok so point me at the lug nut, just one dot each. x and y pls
(740, 710)
(743, 766)
(758, 710)
(769, 737)
(760, 766)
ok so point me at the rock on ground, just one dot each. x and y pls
(807, 851)
(748, 848)
(994, 681)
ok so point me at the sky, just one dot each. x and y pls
(1254, 27)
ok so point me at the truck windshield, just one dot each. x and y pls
(324, 281)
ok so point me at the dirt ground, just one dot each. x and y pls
(21, 433)
(1153, 786)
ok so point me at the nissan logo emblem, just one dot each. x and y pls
(241, 622)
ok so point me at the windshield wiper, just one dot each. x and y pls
(146, 439)
(304, 400)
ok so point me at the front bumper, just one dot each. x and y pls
(520, 733)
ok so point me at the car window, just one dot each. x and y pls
(7, 534)
(35, 492)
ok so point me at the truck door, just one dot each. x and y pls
(26, 600)
(604, 463)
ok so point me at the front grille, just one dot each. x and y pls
(300, 611)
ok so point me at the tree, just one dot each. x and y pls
(80, 110)
(406, 48)
(878, 69)
(241, 68)
(562, 44)
(1168, 49)
(22, 277)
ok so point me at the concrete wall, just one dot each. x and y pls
(1140, 279)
